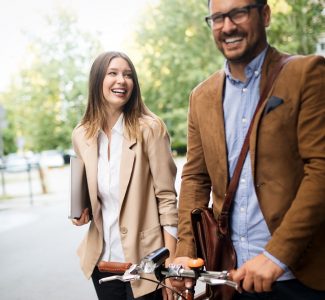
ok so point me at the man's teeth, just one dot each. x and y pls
(233, 40)
(119, 91)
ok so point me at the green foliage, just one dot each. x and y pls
(296, 27)
(177, 52)
(48, 97)
(8, 136)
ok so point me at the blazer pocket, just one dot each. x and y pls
(151, 239)
(271, 104)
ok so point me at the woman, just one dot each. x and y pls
(130, 173)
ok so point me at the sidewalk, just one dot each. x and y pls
(38, 243)
(21, 192)
(57, 181)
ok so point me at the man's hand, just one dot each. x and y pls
(167, 293)
(257, 274)
(180, 283)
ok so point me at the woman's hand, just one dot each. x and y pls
(84, 218)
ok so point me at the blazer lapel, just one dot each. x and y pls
(127, 162)
(217, 124)
(221, 135)
(271, 60)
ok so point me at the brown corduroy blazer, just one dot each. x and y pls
(287, 151)
(147, 197)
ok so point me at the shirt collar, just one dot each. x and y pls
(254, 67)
(118, 127)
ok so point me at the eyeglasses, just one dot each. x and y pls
(237, 16)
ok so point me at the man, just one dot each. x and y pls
(277, 218)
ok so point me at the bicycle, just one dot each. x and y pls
(153, 263)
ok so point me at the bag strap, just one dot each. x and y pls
(232, 187)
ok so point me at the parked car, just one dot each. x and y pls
(51, 159)
(67, 154)
(16, 162)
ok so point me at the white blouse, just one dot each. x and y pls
(108, 190)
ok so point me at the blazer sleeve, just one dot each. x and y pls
(74, 139)
(306, 215)
(163, 171)
(196, 183)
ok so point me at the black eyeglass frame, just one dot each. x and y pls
(246, 8)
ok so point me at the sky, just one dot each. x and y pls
(114, 19)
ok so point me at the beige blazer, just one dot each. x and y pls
(287, 150)
(147, 197)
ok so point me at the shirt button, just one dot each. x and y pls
(243, 180)
(243, 239)
(256, 73)
(124, 230)
(244, 120)
(242, 209)
(244, 90)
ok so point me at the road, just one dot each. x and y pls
(38, 242)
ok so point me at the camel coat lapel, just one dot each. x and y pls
(127, 163)
(271, 60)
(220, 130)
(215, 121)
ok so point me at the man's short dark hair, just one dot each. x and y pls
(263, 2)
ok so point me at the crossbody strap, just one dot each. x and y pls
(232, 187)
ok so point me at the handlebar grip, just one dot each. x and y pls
(113, 267)
(196, 263)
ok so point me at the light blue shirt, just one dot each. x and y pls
(250, 233)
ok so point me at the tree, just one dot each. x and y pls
(48, 97)
(297, 25)
(176, 53)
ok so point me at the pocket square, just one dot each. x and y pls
(272, 103)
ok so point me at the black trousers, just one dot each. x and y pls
(285, 290)
(118, 290)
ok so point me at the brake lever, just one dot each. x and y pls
(124, 278)
(215, 281)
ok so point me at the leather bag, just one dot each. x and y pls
(214, 245)
(211, 234)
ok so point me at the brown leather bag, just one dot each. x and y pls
(214, 245)
(211, 235)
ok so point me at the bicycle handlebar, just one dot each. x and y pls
(208, 277)
(153, 264)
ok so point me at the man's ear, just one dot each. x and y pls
(266, 13)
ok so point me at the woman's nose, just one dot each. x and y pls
(120, 78)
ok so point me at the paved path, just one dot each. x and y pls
(38, 242)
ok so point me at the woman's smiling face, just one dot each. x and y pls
(118, 83)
